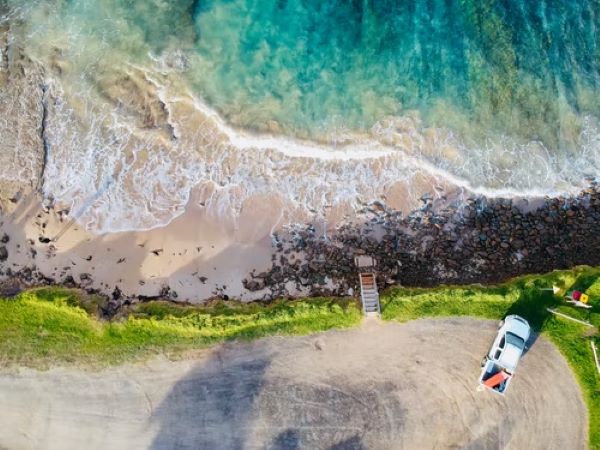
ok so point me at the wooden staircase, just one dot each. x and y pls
(369, 294)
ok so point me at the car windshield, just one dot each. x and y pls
(515, 340)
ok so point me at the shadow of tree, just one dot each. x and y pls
(210, 408)
(585, 281)
(286, 440)
(533, 305)
(353, 443)
(237, 399)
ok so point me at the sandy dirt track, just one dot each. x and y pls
(383, 386)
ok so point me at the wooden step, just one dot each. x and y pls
(369, 295)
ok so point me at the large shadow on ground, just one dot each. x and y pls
(533, 307)
(240, 398)
(210, 408)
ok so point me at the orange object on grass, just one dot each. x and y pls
(494, 381)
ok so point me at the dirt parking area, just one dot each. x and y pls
(383, 386)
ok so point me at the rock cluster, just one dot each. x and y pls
(13, 282)
(482, 240)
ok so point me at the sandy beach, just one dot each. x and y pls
(122, 178)
(56, 214)
(196, 255)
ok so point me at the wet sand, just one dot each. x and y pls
(225, 230)
(197, 255)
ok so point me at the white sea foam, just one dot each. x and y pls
(116, 177)
(116, 174)
(550, 175)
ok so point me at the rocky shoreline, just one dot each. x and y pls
(482, 241)
(203, 255)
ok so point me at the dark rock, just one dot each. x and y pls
(165, 291)
(117, 294)
(518, 244)
(473, 245)
(5, 238)
(3, 253)
(10, 287)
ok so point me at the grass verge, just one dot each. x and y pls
(526, 297)
(48, 326)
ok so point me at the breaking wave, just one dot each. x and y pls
(130, 132)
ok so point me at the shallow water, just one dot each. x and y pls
(515, 67)
(498, 97)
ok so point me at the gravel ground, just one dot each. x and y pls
(383, 386)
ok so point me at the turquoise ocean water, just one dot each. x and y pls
(527, 68)
(490, 72)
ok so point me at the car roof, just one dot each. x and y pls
(517, 326)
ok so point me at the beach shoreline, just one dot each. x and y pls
(259, 256)
(195, 257)
(224, 213)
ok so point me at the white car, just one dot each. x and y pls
(500, 363)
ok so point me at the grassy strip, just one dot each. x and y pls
(523, 296)
(48, 326)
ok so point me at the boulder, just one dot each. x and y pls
(3, 253)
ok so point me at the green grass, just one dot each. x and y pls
(522, 296)
(49, 326)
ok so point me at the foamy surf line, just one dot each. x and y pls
(355, 163)
(239, 164)
(116, 131)
(294, 148)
